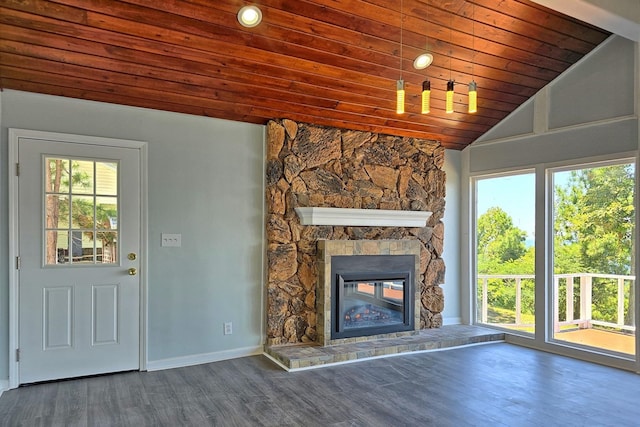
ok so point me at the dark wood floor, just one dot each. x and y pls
(488, 385)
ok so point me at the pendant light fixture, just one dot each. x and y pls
(473, 87)
(425, 59)
(400, 82)
(422, 62)
(473, 97)
(400, 96)
(426, 97)
(448, 105)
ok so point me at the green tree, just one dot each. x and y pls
(502, 250)
(59, 179)
(595, 211)
(499, 241)
(64, 175)
(593, 225)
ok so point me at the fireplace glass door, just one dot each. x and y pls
(370, 303)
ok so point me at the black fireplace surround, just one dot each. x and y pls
(372, 294)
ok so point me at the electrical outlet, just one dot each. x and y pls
(228, 328)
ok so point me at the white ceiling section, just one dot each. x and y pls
(621, 17)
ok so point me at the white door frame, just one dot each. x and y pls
(14, 137)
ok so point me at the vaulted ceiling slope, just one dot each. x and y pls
(328, 62)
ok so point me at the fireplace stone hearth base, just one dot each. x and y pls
(308, 356)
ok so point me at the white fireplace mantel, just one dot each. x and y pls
(362, 217)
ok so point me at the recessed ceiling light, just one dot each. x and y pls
(249, 16)
(423, 61)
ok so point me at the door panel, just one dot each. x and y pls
(79, 210)
(105, 314)
(57, 317)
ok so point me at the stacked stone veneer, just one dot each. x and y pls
(309, 165)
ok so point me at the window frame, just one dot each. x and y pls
(95, 195)
(474, 179)
(550, 256)
(543, 234)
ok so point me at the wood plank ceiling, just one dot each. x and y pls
(329, 62)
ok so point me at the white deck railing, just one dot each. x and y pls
(584, 318)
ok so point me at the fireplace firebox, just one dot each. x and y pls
(372, 294)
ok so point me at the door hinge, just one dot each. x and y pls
(17, 354)
(17, 169)
(18, 262)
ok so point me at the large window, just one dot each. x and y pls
(593, 241)
(505, 251)
(587, 276)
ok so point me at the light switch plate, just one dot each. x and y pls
(174, 240)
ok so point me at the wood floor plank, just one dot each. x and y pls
(71, 403)
(497, 385)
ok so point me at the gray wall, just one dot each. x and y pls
(205, 182)
(587, 111)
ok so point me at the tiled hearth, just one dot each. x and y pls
(305, 356)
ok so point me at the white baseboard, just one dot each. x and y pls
(4, 386)
(452, 321)
(199, 359)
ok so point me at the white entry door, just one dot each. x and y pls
(79, 250)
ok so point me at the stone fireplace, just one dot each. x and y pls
(314, 167)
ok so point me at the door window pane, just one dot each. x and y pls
(505, 251)
(82, 177)
(107, 211)
(57, 206)
(82, 216)
(594, 277)
(107, 178)
(107, 245)
(57, 247)
(81, 211)
(57, 175)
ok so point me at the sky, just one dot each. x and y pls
(515, 194)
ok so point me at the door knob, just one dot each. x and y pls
(133, 271)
